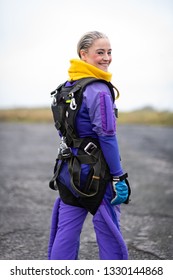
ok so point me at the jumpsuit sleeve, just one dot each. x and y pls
(101, 112)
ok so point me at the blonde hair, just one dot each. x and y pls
(88, 39)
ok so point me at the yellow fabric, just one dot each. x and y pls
(80, 69)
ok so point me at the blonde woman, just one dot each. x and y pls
(95, 121)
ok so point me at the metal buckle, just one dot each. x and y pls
(89, 148)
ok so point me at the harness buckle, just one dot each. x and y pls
(89, 148)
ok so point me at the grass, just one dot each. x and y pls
(26, 115)
(147, 117)
(143, 116)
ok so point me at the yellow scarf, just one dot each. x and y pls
(80, 69)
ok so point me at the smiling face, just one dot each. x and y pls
(99, 54)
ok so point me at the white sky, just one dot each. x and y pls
(39, 37)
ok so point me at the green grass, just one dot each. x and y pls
(144, 116)
(147, 117)
(26, 115)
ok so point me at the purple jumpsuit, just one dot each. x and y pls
(95, 119)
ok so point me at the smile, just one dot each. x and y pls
(104, 64)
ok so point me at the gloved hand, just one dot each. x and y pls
(121, 192)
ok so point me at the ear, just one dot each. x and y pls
(83, 55)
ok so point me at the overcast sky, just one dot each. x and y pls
(39, 37)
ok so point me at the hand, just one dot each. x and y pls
(121, 191)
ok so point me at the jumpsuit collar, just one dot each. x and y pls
(80, 69)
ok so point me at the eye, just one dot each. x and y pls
(100, 52)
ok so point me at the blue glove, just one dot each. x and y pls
(121, 191)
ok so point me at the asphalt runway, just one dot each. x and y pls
(27, 155)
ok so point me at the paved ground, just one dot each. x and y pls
(27, 153)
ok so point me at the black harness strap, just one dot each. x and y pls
(77, 92)
(92, 187)
(52, 183)
(89, 151)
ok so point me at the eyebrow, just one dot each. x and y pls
(103, 50)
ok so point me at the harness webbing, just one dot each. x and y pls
(67, 102)
(65, 96)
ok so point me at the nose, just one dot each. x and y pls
(106, 57)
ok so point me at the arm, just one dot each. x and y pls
(109, 146)
(101, 112)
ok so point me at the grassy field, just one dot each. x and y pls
(26, 115)
(148, 117)
(144, 116)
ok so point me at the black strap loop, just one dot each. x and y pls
(97, 164)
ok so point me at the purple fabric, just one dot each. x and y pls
(94, 119)
(109, 146)
(66, 241)
(65, 244)
(115, 248)
(97, 98)
(107, 119)
(54, 225)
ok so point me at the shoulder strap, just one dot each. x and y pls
(77, 93)
(82, 83)
(72, 97)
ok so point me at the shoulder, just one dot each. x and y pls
(99, 86)
(97, 95)
(96, 88)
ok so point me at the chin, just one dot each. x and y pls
(103, 68)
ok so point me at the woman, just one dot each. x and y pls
(96, 120)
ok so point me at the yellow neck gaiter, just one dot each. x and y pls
(80, 69)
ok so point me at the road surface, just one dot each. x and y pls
(27, 154)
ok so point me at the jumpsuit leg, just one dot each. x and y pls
(67, 239)
(54, 225)
(109, 238)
